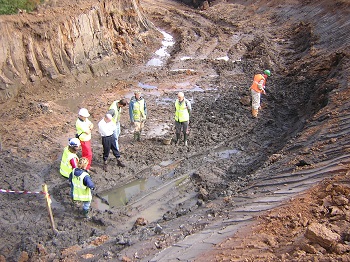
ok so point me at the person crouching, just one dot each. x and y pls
(81, 185)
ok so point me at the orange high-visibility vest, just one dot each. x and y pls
(258, 83)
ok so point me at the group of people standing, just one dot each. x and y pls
(77, 170)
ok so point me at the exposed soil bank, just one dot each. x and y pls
(234, 167)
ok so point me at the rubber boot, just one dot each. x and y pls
(255, 113)
(139, 136)
(185, 140)
(86, 213)
(105, 162)
(177, 139)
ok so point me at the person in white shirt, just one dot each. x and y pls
(106, 127)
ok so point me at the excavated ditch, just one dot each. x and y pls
(171, 203)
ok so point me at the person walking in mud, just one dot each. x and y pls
(81, 185)
(69, 159)
(257, 88)
(84, 128)
(183, 110)
(137, 113)
(106, 128)
(115, 110)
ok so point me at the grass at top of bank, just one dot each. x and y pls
(9, 7)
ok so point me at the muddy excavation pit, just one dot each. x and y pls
(185, 203)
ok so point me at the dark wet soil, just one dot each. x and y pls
(171, 192)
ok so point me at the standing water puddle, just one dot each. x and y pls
(121, 195)
(225, 153)
(162, 54)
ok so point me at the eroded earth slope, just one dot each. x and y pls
(216, 195)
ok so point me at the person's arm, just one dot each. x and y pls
(189, 106)
(131, 109)
(85, 127)
(261, 86)
(74, 162)
(71, 177)
(88, 182)
(91, 126)
(112, 105)
(102, 127)
(145, 108)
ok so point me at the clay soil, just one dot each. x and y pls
(303, 127)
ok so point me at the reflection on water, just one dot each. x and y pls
(165, 101)
(226, 58)
(185, 58)
(158, 130)
(166, 163)
(162, 54)
(146, 87)
(121, 195)
(155, 62)
(227, 153)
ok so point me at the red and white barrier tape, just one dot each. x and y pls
(22, 192)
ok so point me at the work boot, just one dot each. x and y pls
(186, 144)
(137, 136)
(86, 213)
(255, 113)
(120, 163)
(105, 165)
(177, 139)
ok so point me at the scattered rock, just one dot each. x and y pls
(321, 235)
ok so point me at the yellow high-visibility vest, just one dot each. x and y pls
(65, 167)
(181, 112)
(80, 191)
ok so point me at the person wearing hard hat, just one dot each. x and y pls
(106, 128)
(115, 110)
(183, 110)
(137, 113)
(84, 127)
(69, 157)
(81, 185)
(257, 88)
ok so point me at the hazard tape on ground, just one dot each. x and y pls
(22, 192)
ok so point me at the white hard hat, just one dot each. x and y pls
(84, 112)
(74, 142)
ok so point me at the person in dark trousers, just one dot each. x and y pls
(106, 128)
(81, 185)
(182, 117)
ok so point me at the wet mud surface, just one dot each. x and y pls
(172, 202)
